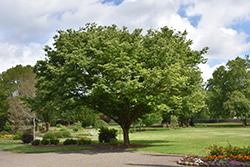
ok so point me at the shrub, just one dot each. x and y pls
(69, 142)
(19, 133)
(75, 129)
(3, 132)
(84, 140)
(57, 134)
(100, 123)
(45, 142)
(232, 150)
(54, 141)
(58, 125)
(107, 134)
(113, 142)
(63, 127)
(16, 137)
(66, 133)
(49, 135)
(27, 138)
(35, 142)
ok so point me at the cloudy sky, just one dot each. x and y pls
(28, 25)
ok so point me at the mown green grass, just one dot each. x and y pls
(190, 141)
(18, 147)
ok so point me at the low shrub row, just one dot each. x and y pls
(45, 142)
(57, 134)
(80, 141)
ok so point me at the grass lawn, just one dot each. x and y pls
(190, 141)
(17, 146)
(187, 141)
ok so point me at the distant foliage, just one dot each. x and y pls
(101, 124)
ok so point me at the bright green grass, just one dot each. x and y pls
(190, 141)
(222, 124)
(17, 146)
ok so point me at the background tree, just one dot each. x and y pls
(229, 88)
(151, 119)
(121, 74)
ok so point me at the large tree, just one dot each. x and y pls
(228, 90)
(121, 74)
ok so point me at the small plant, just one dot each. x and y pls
(62, 127)
(7, 128)
(69, 142)
(215, 149)
(45, 142)
(75, 129)
(113, 142)
(54, 141)
(57, 134)
(83, 141)
(79, 125)
(58, 125)
(16, 137)
(35, 142)
(107, 134)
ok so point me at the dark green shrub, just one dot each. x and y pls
(75, 129)
(58, 125)
(27, 138)
(66, 133)
(69, 142)
(35, 142)
(107, 134)
(7, 128)
(16, 137)
(54, 141)
(84, 140)
(45, 142)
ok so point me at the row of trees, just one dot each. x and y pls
(126, 76)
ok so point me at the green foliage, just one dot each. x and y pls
(16, 137)
(35, 142)
(128, 74)
(54, 141)
(100, 123)
(69, 142)
(66, 133)
(19, 133)
(84, 140)
(79, 125)
(58, 134)
(27, 138)
(7, 128)
(106, 134)
(58, 125)
(45, 142)
(150, 119)
(49, 135)
(75, 129)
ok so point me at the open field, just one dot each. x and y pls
(187, 141)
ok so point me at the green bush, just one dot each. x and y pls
(27, 138)
(49, 135)
(100, 123)
(3, 132)
(106, 134)
(69, 142)
(16, 137)
(215, 149)
(84, 134)
(75, 129)
(63, 129)
(57, 134)
(84, 140)
(54, 141)
(19, 133)
(35, 142)
(66, 133)
(45, 142)
(232, 150)
(58, 125)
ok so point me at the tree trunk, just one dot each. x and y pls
(34, 128)
(244, 122)
(47, 126)
(125, 136)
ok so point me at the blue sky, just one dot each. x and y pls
(223, 26)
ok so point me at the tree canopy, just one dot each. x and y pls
(121, 74)
(228, 90)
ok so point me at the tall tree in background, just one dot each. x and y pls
(121, 74)
(18, 82)
(228, 90)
